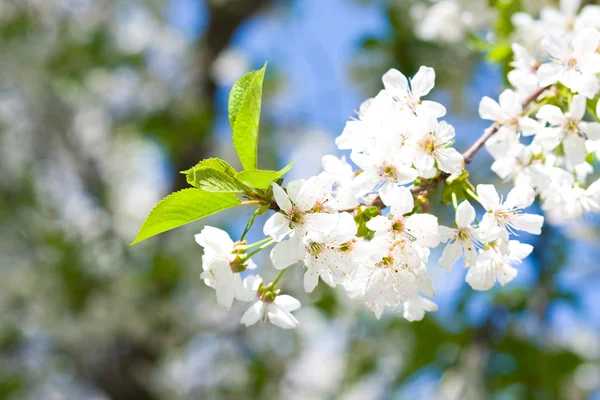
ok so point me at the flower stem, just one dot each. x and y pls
(473, 195)
(267, 242)
(278, 277)
(454, 201)
(259, 243)
(249, 225)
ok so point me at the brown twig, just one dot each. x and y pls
(489, 132)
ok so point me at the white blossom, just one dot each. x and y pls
(463, 240)
(492, 265)
(433, 146)
(384, 170)
(263, 306)
(409, 96)
(301, 208)
(415, 308)
(419, 229)
(376, 115)
(523, 77)
(221, 266)
(503, 217)
(508, 113)
(573, 63)
(324, 255)
(568, 129)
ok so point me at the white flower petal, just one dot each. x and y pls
(423, 281)
(414, 309)
(489, 109)
(253, 314)
(401, 200)
(547, 74)
(287, 302)
(489, 229)
(277, 226)
(444, 132)
(529, 126)
(450, 255)
(505, 274)
(311, 279)
(281, 318)
(575, 150)
(469, 253)
(591, 130)
(379, 223)
(549, 138)
(423, 160)
(215, 241)
(424, 228)
(519, 251)
(510, 103)
(551, 114)
(287, 253)
(321, 222)
(423, 81)
(313, 189)
(531, 223)
(281, 198)
(481, 276)
(521, 196)
(577, 109)
(430, 109)
(586, 41)
(488, 196)
(225, 285)
(449, 160)
(465, 214)
(293, 189)
(446, 233)
(395, 81)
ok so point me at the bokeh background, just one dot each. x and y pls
(102, 102)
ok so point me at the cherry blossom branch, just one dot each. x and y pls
(471, 151)
(490, 131)
(468, 155)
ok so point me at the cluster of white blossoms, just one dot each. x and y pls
(368, 230)
(547, 134)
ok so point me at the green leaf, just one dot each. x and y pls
(212, 163)
(363, 215)
(244, 115)
(262, 178)
(214, 175)
(212, 180)
(458, 186)
(183, 207)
